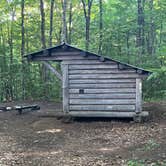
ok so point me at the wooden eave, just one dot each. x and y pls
(58, 52)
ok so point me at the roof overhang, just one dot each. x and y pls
(58, 53)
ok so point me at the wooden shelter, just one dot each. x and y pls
(93, 85)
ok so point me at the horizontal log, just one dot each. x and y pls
(103, 91)
(102, 107)
(101, 71)
(119, 85)
(101, 101)
(102, 76)
(87, 81)
(103, 66)
(106, 114)
(66, 53)
(103, 96)
(61, 57)
(85, 62)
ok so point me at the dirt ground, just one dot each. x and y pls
(43, 138)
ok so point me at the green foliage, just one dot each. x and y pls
(145, 163)
(120, 30)
(135, 163)
(155, 86)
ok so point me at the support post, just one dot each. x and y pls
(53, 70)
(138, 95)
(65, 87)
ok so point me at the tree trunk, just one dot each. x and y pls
(140, 22)
(51, 22)
(128, 46)
(143, 28)
(140, 30)
(23, 48)
(101, 27)
(87, 13)
(70, 22)
(152, 30)
(9, 91)
(43, 40)
(64, 25)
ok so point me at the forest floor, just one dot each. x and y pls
(43, 138)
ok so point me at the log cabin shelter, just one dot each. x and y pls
(93, 85)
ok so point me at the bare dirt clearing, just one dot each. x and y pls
(42, 138)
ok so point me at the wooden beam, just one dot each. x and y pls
(103, 96)
(97, 81)
(98, 71)
(46, 52)
(65, 53)
(106, 114)
(139, 71)
(103, 91)
(103, 86)
(95, 101)
(87, 61)
(103, 76)
(65, 88)
(89, 66)
(101, 59)
(138, 95)
(104, 107)
(53, 70)
(121, 66)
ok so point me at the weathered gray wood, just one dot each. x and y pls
(53, 70)
(106, 114)
(111, 85)
(46, 52)
(101, 101)
(86, 62)
(61, 57)
(65, 88)
(138, 95)
(103, 96)
(102, 59)
(102, 107)
(103, 66)
(103, 91)
(65, 53)
(102, 76)
(101, 71)
(139, 71)
(92, 81)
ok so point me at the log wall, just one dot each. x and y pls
(100, 86)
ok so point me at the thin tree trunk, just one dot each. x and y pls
(101, 27)
(23, 48)
(140, 31)
(10, 95)
(43, 42)
(87, 13)
(3, 65)
(152, 29)
(143, 27)
(64, 25)
(128, 46)
(140, 22)
(70, 22)
(51, 22)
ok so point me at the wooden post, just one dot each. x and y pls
(53, 70)
(138, 95)
(65, 88)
